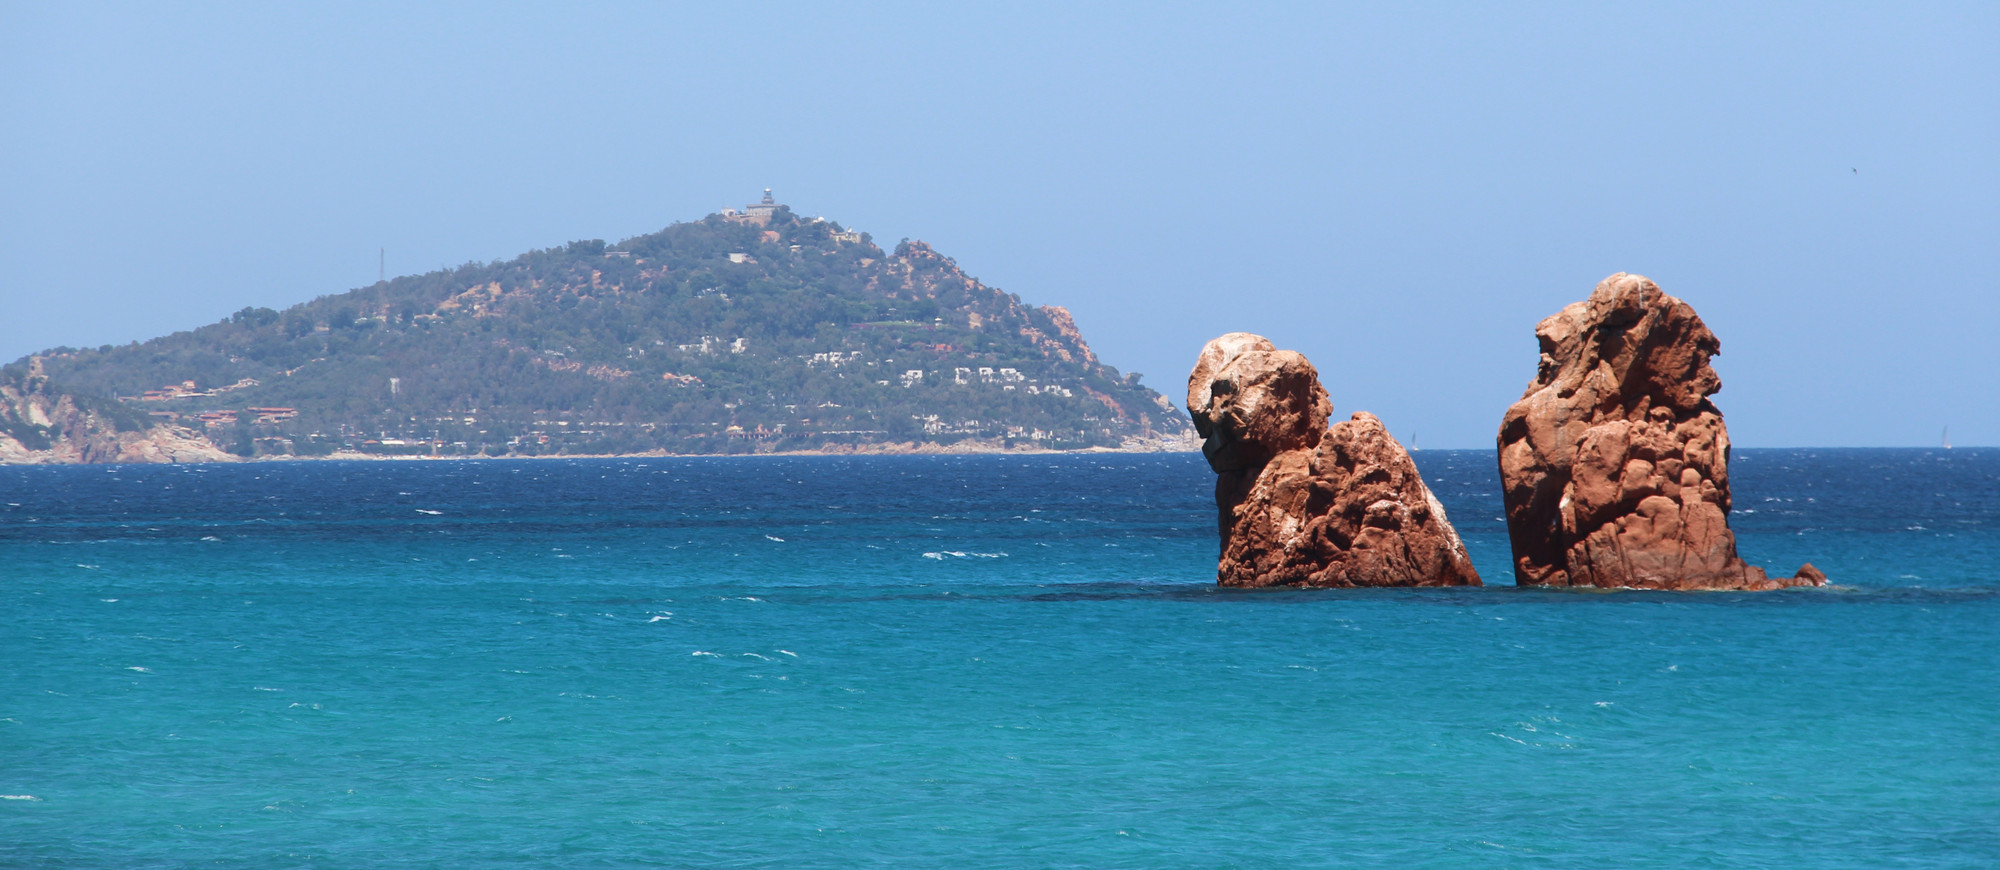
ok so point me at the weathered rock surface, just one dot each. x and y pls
(1614, 464)
(1301, 503)
(40, 425)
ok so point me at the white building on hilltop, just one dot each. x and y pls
(757, 213)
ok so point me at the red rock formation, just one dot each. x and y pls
(1067, 332)
(1304, 504)
(1614, 464)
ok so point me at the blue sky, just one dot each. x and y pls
(1399, 193)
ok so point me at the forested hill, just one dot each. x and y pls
(723, 335)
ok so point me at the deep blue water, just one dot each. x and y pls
(963, 662)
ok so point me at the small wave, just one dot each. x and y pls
(210, 538)
(109, 600)
(658, 618)
(430, 513)
(757, 656)
(86, 567)
(941, 555)
(265, 689)
(774, 538)
(789, 653)
(140, 669)
(703, 652)
(18, 797)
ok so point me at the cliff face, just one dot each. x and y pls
(1614, 464)
(1301, 503)
(40, 425)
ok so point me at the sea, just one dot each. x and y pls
(964, 662)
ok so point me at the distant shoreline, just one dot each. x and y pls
(872, 450)
(898, 450)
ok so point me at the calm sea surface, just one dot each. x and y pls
(963, 662)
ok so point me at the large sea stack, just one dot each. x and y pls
(1302, 503)
(1614, 464)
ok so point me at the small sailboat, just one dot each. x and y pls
(1947, 437)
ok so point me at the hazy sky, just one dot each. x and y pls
(1399, 194)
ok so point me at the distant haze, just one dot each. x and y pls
(1399, 194)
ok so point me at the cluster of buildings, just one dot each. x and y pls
(934, 425)
(755, 214)
(987, 375)
(187, 390)
(710, 345)
(216, 419)
(759, 214)
(212, 419)
(832, 359)
(1009, 379)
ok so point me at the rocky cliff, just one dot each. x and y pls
(1301, 503)
(1614, 463)
(40, 424)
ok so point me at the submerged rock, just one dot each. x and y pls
(1301, 503)
(1614, 464)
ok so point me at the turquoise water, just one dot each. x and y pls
(963, 662)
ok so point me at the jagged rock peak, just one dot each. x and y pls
(1301, 503)
(1614, 464)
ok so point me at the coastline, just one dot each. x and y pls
(904, 448)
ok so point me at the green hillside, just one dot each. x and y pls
(732, 334)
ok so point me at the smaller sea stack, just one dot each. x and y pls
(1614, 464)
(1301, 503)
